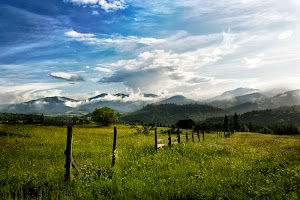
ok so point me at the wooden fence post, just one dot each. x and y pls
(193, 136)
(198, 135)
(155, 131)
(114, 147)
(203, 134)
(178, 136)
(186, 135)
(68, 153)
(170, 142)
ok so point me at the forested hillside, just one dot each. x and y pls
(280, 116)
(168, 114)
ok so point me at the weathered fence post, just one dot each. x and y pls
(198, 135)
(155, 131)
(203, 134)
(68, 153)
(114, 147)
(170, 143)
(186, 135)
(178, 136)
(193, 136)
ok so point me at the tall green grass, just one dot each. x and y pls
(244, 166)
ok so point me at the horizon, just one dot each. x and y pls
(198, 49)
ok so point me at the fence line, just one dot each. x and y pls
(70, 162)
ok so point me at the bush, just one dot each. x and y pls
(104, 116)
(244, 128)
(266, 130)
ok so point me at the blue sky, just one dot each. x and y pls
(198, 48)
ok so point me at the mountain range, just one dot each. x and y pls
(240, 100)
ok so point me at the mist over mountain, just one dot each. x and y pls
(230, 100)
(47, 105)
(228, 95)
(289, 98)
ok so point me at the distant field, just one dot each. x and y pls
(244, 166)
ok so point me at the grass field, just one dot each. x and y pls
(244, 166)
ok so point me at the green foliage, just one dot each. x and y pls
(244, 166)
(226, 125)
(266, 130)
(104, 116)
(244, 128)
(236, 124)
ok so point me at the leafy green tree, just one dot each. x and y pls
(244, 128)
(104, 116)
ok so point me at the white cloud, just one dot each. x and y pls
(286, 34)
(159, 70)
(108, 6)
(112, 5)
(94, 12)
(102, 69)
(66, 76)
(75, 34)
(252, 63)
(115, 40)
(87, 67)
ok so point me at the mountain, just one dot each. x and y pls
(47, 105)
(68, 106)
(232, 93)
(98, 96)
(168, 114)
(125, 103)
(289, 98)
(178, 99)
(117, 105)
(238, 100)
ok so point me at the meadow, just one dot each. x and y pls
(244, 166)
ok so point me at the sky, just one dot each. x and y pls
(196, 48)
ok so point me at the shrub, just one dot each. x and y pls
(244, 128)
(266, 130)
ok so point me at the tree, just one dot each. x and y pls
(226, 127)
(42, 119)
(236, 125)
(104, 116)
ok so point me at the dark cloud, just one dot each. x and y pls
(176, 76)
(199, 80)
(140, 79)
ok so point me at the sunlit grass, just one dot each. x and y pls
(244, 166)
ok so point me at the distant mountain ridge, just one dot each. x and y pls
(168, 114)
(178, 99)
(232, 93)
(230, 100)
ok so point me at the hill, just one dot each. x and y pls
(178, 99)
(168, 114)
(280, 116)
